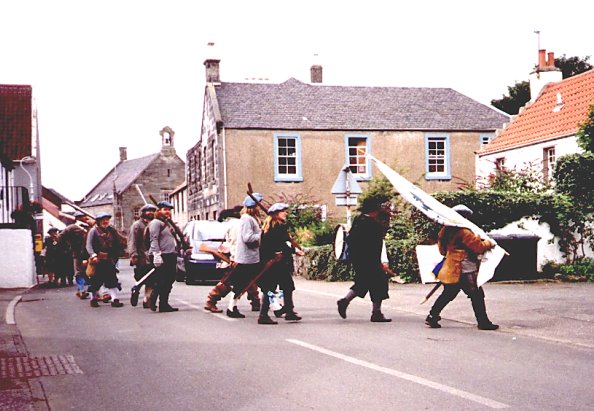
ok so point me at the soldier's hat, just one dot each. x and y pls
(148, 207)
(102, 215)
(164, 204)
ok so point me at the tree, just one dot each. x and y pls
(571, 66)
(519, 94)
(585, 136)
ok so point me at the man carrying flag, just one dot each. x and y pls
(461, 248)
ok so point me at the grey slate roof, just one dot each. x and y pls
(299, 106)
(126, 171)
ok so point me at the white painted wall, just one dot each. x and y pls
(521, 158)
(547, 248)
(17, 263)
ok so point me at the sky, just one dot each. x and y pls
(113, 73)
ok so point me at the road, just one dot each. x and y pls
(130, 358)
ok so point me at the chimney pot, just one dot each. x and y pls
(551, 59)
(123, 154)
(541, 59)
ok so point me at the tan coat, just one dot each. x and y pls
(457, 244)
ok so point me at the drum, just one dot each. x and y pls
(340, 245)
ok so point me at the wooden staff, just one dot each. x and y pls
(77, 208)
(433, 290)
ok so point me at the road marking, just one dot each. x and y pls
(218, 315)
(10, 310)
(408, 377)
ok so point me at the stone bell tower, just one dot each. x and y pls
(167, 147)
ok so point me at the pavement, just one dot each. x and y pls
(558, 312)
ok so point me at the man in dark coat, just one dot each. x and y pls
(138, 252)
(365, 240)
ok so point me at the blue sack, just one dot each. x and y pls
(438, 266)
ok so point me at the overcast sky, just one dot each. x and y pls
(113, 73)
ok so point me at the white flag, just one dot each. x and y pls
(441, 214)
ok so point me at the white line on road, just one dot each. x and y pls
(10, 310)
(221, 316)
(408, 377)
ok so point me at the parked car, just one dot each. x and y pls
(201, 267)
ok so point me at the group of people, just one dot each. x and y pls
(460, 247)
(261, 256)
(260, 260)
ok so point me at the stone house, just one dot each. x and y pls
(294, 138)
(121, 191)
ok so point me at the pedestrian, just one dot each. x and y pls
(52, 257)
(247, 254)
(365, 241)
(74, 236)
(138, 252)
(223, 288)
(163, 256)
(461, 248)
(276, 239)
(104, 246)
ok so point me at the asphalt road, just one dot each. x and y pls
(130, 358)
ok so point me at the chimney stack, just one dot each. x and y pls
(545, 73)
(123, 154)
(316, 73)
(212, 71)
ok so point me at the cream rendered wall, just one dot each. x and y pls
(16, 254)
(521, 158)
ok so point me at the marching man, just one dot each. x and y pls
(104, 246)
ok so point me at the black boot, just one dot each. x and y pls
(164, 306)
(116, 303)
(234, 313)
(378, 317)
(480, 312)
(342, 307)
(433, 321)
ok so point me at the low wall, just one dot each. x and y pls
(17, 261)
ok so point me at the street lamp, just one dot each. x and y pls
(31, 193)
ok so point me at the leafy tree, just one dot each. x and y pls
(585, 136)
(519, 95)
(571, 66)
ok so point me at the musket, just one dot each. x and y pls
(206, 249)
(263, 271)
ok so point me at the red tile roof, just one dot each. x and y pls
(542, 120)
(15, 121)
